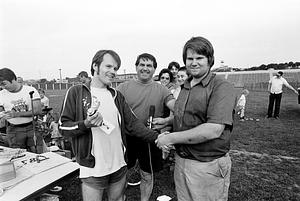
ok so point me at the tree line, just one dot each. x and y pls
(275, 66)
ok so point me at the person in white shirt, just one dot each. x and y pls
(19, 104)
(275, 89)
(241, 104)
(97, 119)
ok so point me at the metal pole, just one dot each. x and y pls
(33, 122)
(60, 75)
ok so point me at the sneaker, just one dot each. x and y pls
(268, 117)
(56, 189)
(277, 117)
(133, 176)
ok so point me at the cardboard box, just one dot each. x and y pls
(7, 171)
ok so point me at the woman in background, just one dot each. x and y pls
(181, 77)
(166, 78)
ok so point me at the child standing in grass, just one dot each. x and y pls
(56, 137)
(241, 104)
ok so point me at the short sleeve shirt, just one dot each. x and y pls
(210, 101)
(141, 96)
(276, 84)
(18, 101)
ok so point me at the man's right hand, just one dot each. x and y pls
(94, 120)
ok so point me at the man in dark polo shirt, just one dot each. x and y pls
(202, 125)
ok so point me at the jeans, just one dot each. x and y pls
(114, 184)
(274, 98)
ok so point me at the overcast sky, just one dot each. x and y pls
(39, 37)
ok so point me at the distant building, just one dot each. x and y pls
(127, 76)
(61, 81)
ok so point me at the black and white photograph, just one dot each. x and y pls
(139, 100)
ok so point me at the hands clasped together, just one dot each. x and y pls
(163, 143)
(163, 140)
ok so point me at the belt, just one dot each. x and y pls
(184, 154)
(20, 125)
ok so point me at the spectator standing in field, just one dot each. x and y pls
(97, 118)
(181, 77)
(56, 137)
(275, 89)
(202, 126)
(84, 78)
(241, 104)
(16, 101)
(44, 99)
(166, 78)
(140, 95)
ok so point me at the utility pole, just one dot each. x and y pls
(60, 75)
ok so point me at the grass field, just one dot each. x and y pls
(265, 155)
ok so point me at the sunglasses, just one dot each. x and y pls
(165, 78)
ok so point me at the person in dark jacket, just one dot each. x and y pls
(97, 118)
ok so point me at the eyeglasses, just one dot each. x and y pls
(164, 78)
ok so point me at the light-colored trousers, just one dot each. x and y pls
(202, 181)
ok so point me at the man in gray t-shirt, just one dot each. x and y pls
(140, 94)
